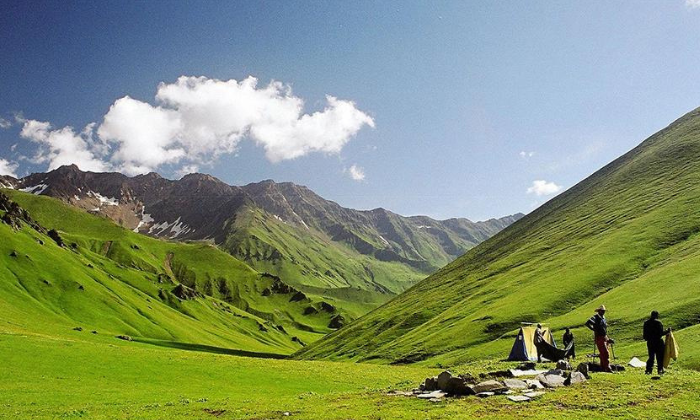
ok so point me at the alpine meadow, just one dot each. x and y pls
(329, 210)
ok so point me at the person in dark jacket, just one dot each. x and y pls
(539, 339)
(599, 325)
(569, 339)
(653, 334)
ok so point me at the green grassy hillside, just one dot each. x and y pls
(627, 237)
(114, 281)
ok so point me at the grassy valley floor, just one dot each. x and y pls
(81, 375)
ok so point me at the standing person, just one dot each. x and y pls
(539, 339)
(569, 339)
(653, 334)
(599, 325)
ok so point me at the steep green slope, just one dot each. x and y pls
(627, 237)
(115, 281)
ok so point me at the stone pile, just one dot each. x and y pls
(506, 383)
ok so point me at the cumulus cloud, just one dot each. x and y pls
(5, 123)
(357, 173)
(144, 135)
(196, 119)
(64, 146)
(8, 168)
(692, 4)
(526, 155)
(542, 187)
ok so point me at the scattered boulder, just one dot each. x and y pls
(261, 327)
(534, 384)
(489, 386)
(281, 329)
(13, 254)
(310, 310)
(297, 297)
(266, 292)
(443, 378)
(80, 287)
(574, 378)
(458, 386)
(327, 307)
(337, 322)
(583, 368)
(534, 394)
(468, 378)
(518, 398)
(430, 384)
(515, 384)
(124, 337)
(485, 394)
(564, 365)
(550, 380)
(185, 293)
(78, 329)
(94, 331)
(297, 340)
(53, 234)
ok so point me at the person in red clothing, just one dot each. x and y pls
(599, 325)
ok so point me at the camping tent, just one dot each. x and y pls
(524, 345)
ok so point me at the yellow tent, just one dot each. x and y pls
(524, 345)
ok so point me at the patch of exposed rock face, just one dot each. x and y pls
(15, 215)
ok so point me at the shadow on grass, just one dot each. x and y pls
(211, 349)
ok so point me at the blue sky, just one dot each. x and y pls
(450, 109)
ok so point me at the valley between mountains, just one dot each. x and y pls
(268, 267)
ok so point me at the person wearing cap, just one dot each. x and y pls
(599, 325)
(653, 334)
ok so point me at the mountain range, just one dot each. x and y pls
(361, 258)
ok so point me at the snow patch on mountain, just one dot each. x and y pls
(175, 228)
(110, 201)
(145, 219)
(36, 190)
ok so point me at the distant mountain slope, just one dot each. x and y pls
(93, 274)
(627, 237)
(282, 228)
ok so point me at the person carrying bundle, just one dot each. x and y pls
(653, 334)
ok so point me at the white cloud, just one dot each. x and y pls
(526, 155)
(5, 123)
(195, 120)
(692, 4)
(186, 170)
(541, 187)
(8, 168)
(357, 173)
(144, 136)
(64, 146)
